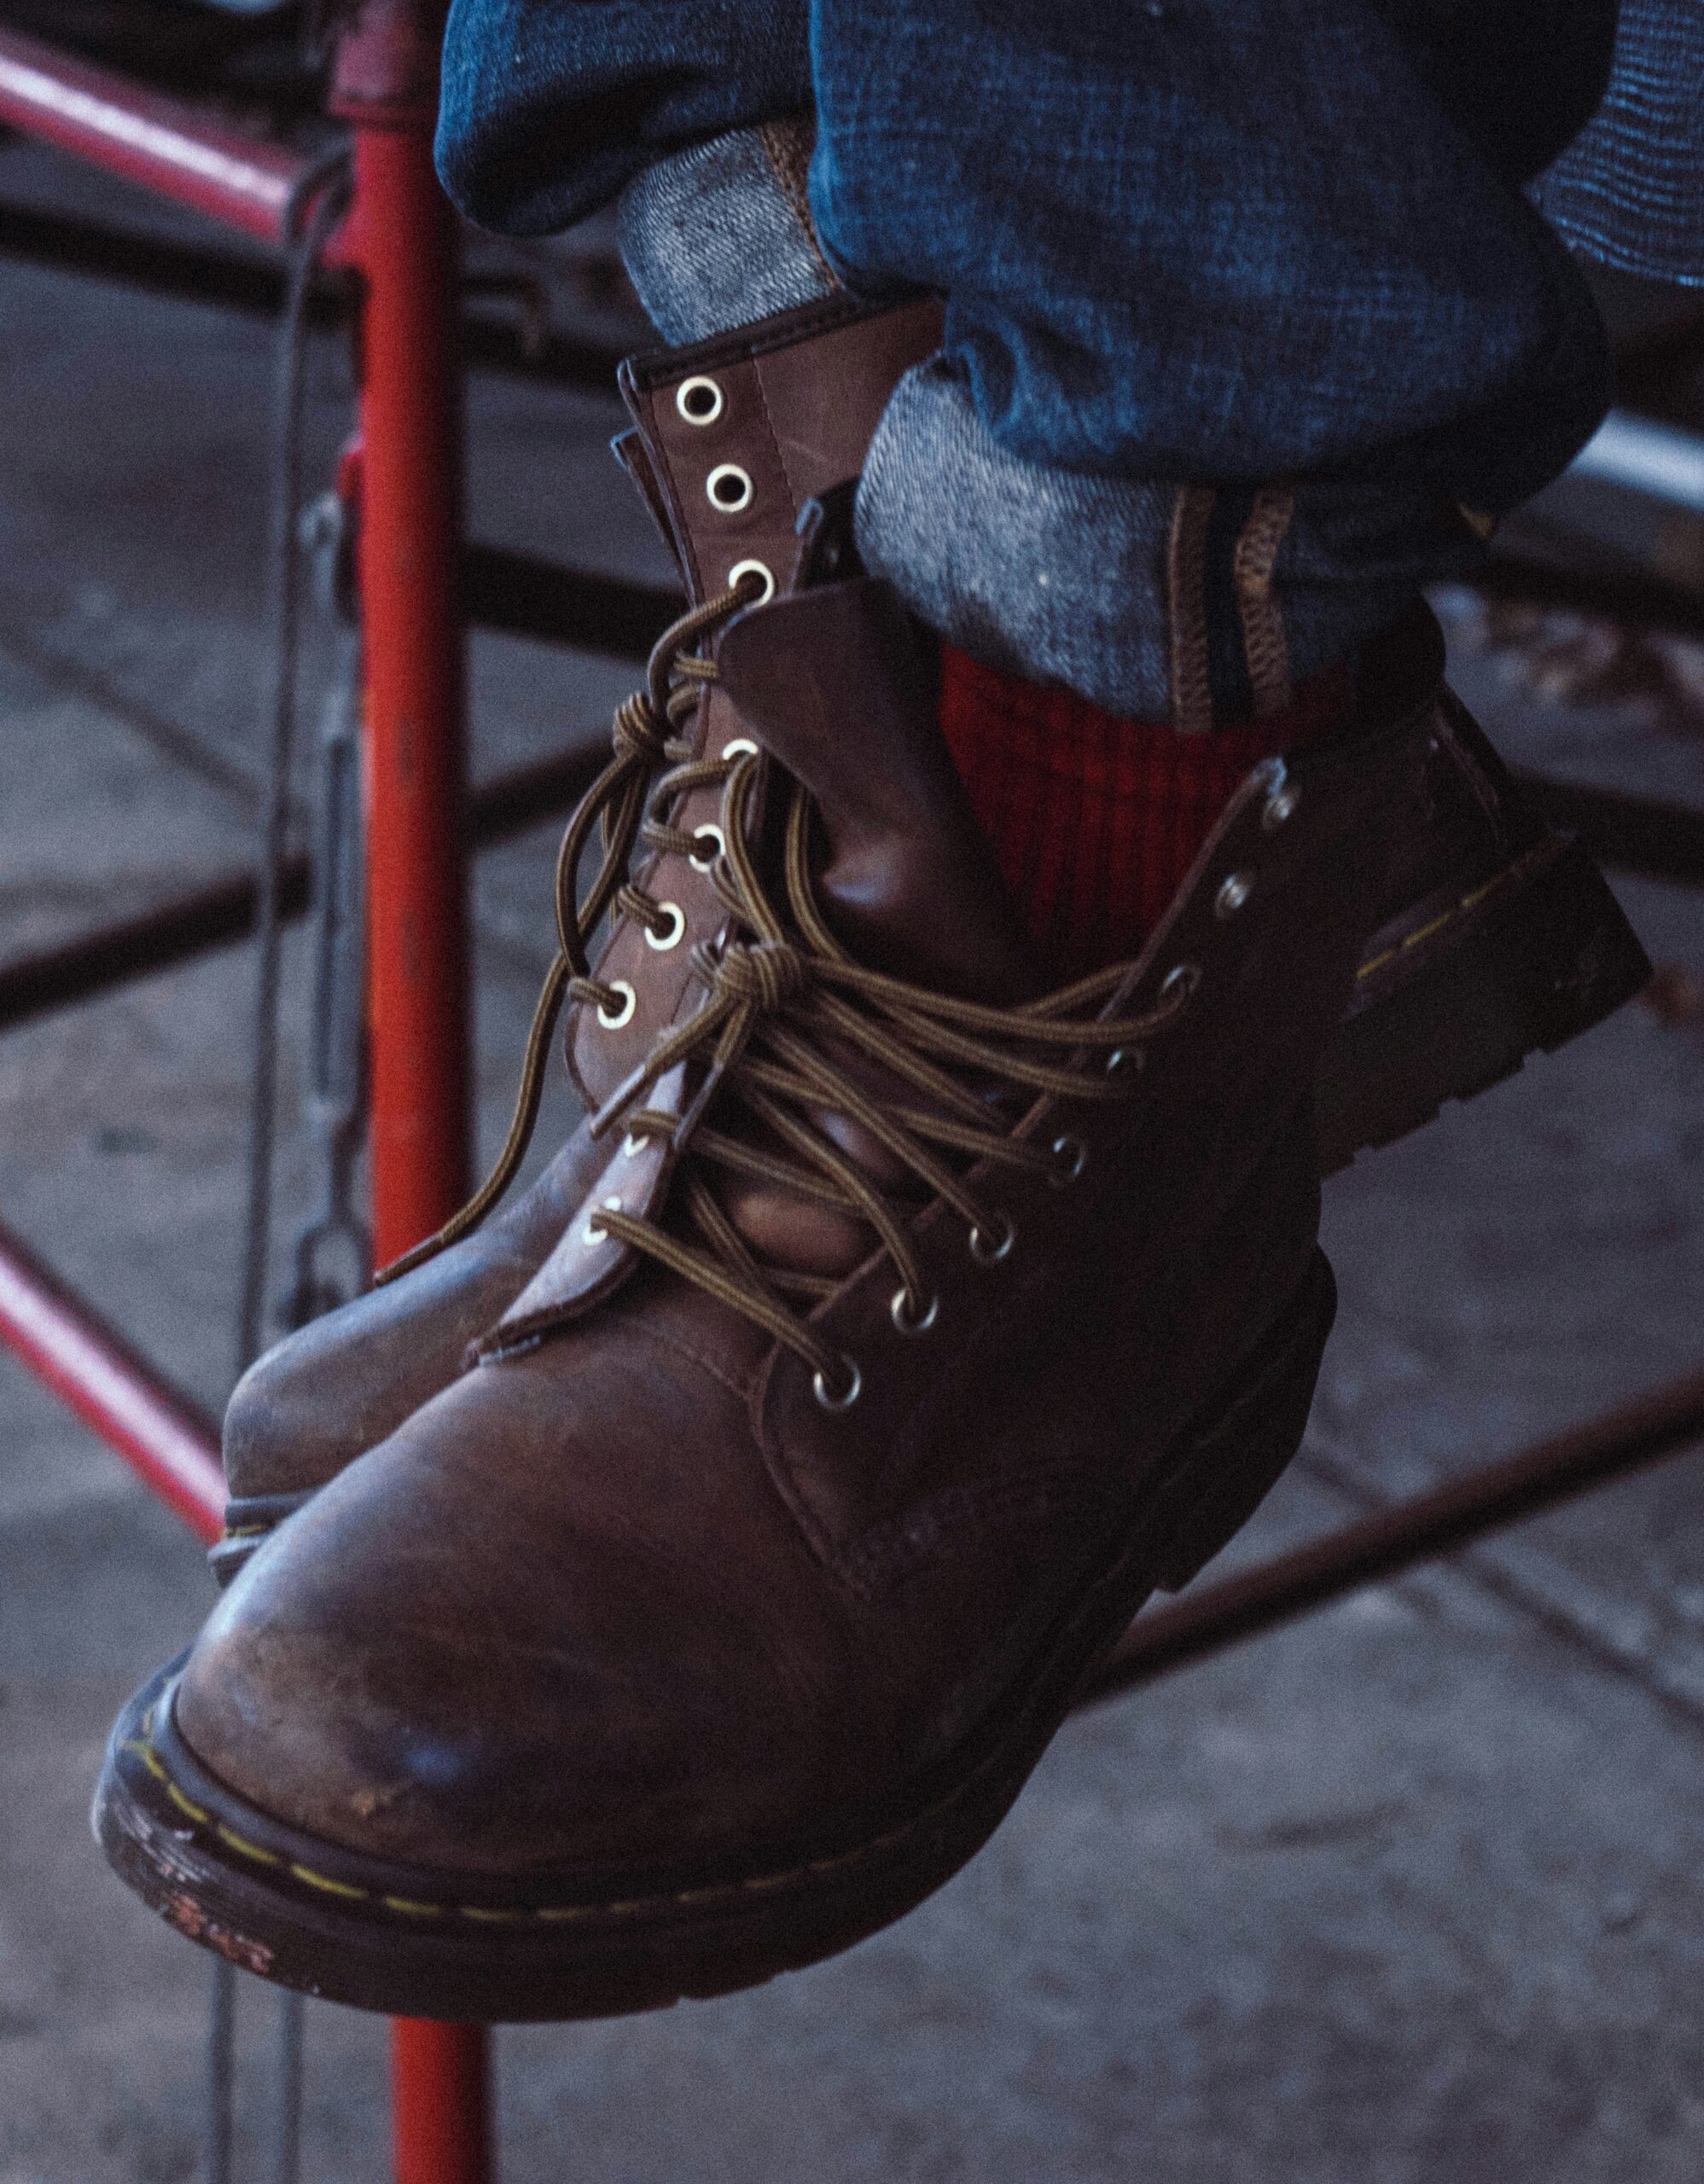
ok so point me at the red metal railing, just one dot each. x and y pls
(397, 237)
(112, 1388)
(386, 87)
(164, 146)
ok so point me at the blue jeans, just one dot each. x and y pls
(1218, 240)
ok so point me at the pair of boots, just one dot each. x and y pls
(676, 1578)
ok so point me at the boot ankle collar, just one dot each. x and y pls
(740, 432)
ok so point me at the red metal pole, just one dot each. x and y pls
(417, 949)
(112, 1388)
(439, 2101)
(410, 420)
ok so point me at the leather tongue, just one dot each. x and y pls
(833, 684)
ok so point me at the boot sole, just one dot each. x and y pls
(555, 1947)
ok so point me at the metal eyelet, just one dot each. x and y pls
(743, 569)
(1234, 891)
(612, 1019)
(990, 1250)
(700, 401)
(1072, 1156)
(903, 1319)
(708, 833)
(1280, 805)
(632, 1147)
(820, 1387)
(662, 942)
(729, 489)
(741, 746)
(1180, 981)
(594, 1231)
(1126, 1062)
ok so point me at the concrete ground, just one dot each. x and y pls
(1405, 1895)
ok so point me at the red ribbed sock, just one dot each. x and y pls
(1096, 819)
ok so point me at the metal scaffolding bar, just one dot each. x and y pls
(224, 911)
(1486, 1499)
(415, 587)
(160, 144)
(385, 86)
(112, 1387)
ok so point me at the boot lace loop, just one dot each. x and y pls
(788, 1022)
(647, 735)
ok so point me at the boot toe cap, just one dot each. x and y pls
(367, 1689)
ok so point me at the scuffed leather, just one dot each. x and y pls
(803, 390)
(631, 1596)
(334, 1389)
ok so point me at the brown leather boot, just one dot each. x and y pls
(1500, 939)
(730, 440)
(921, 1324)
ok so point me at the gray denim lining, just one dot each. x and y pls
(1061, 577)
(1052, 575)
(711, 241)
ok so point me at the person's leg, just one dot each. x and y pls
(1061, 588)
(924, 1315)
(1229, 374)
(1186, 446)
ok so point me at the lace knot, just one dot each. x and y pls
(639, 733)
(768, 974)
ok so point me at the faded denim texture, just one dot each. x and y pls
(1210, 239)
(1220, 242)
(1630, 190)
(550, 107)
(1060, 577)
(710, 240)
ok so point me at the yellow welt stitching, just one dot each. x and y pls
(414, 1910)
(559, 1911)
(1470, 902)
(150, 1757)
(244, 1848)
(324, 1880)
(1426, 932)
(486, 1917)
(187, 1804)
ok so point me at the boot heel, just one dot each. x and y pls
(1448, 1011)
(1237, 1455)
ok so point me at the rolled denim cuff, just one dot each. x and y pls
(1151, 599)
(719, 236)
(548, 110)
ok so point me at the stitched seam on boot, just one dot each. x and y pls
(954, 1518)
(793, 493)
(725, 1892)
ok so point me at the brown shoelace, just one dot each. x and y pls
(622, 804)
(779, 1003)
